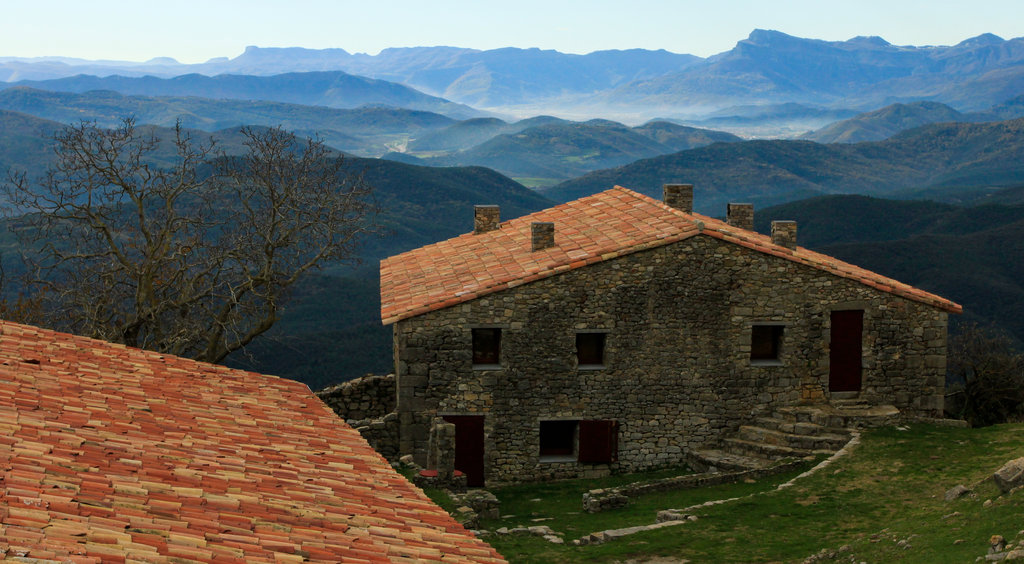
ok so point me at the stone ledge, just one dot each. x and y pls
(599, 500)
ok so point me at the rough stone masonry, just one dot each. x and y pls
(677, 369)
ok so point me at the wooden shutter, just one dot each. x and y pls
(599, 441)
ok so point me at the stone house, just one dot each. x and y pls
(620, 333)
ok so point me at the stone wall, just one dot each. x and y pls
(361, 398)
(677, 372)
(599, 500)
(382, 433)
(368, 405)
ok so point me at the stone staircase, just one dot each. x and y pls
(791, 433)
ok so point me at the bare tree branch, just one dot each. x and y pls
(195, 258)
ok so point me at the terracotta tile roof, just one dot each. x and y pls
(113, 454)
(603, 226)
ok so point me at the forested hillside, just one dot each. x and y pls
(773, 172)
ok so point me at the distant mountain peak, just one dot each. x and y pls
(767, 36)
(869, 40)
(257, 51)
(162, 61)
(981, 40)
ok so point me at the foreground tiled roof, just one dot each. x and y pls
(109, 454)
(603, 226)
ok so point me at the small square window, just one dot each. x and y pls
(590, 349)
(486, 347)
(766, 342)
(557, 438)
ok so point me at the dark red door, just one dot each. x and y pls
(845, 351)
(469, 446)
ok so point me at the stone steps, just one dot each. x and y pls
(716, 460)
(743, 447)
(797, 428)
(845, 414)
(792, 432)
(821, 440)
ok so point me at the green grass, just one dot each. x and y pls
(589, 155)
(890, 489)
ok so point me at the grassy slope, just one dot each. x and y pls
(890, 489)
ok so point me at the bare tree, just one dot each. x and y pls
(990, 373)
(175, 246)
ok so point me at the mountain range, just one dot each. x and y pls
(770, 66)
(366, 130)
(545, 149)
(334, 89)
(888, 121)
(558, 150)
(767, 67)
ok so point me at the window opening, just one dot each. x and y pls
(590, 349)
(486, 347)
(766, 342)
(557, 438)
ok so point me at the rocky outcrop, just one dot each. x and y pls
(1010, 476)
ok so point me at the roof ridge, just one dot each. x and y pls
(594, 228)
(676, 211)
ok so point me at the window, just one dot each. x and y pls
(486, 347)
(557, 439)
(587, 441)
(590, 350)
(765, 342)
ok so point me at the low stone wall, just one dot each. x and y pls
(596, 501)
(368, 405)
(381, 433)
(371, 396)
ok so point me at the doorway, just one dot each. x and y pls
(469, 447)
(845, 351)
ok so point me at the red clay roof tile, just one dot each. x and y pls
(600, 227)
(109, 454)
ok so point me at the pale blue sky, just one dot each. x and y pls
(193, 31)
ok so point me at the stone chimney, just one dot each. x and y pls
(740, 215)
(486, 218)
(543, 235)
(679, 196)
(784, 233)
